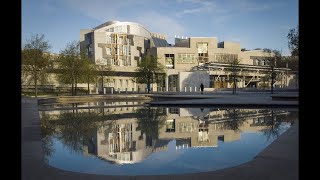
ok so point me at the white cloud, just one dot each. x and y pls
(200, 7)
(129, 10)
(159, 23)
(102, 10)
(250, 5)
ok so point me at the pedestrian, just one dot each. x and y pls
(201, 88)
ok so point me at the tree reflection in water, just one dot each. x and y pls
(74, 129)
(47, 130)
(234, 121)
(273, 125)
(150, 120)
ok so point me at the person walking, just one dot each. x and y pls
(201, 88)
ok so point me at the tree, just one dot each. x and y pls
(103, 70)
(89, 72)
(73, 66)
(35, 60)
(149, 71)
(272, 61)
(234, 70)
(293, 41)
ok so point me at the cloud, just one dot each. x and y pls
(130, 10)
(156, 22)
(199, 7)
(102, 10)
(254, 6)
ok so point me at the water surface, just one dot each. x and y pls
(156, 140)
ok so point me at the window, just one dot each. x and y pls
(202, 47)
(225, 58)
(108, 50)
(120, 40)
(174, 110)
(126, 50)
(108, 40)
(169, 61)
(128, 41)
(112, 61)
(186, 58)
(170, 125)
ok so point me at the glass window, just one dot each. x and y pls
(108, 50)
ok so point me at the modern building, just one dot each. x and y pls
(189, 62)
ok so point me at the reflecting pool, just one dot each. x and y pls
(139, 140)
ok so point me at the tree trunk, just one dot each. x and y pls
(75, 89)
(102, 83)
(35, 84)
(71, 89)
(148, 87)
(234, 85)
(88, 88)
(272, 80)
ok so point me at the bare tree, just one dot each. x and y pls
(234, 70)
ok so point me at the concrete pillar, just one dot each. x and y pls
(111, 90)
(190, 89)
(97, 92)
(185, 89)
(104, 90)
(195, 89)
(167, 83)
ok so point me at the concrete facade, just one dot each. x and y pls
(186, 55)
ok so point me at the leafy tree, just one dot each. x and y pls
(35, 60)
(149, 71)
(293, 41)
(73, 66)
(89, 72)
(102, 72)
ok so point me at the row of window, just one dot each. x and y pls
(125, 50)
(123, 29)
(120, 40)
(114, 83)
(185, 58)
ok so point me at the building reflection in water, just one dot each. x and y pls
(133, 136)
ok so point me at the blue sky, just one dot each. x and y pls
(252, 23)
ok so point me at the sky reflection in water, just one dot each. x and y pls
(156, 140)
